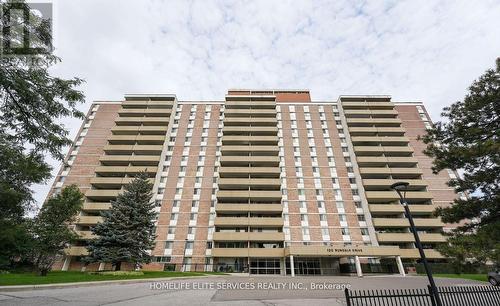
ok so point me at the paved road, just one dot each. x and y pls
(262, 290)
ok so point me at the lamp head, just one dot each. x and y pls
(400, 188)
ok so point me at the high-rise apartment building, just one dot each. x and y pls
(266, 181)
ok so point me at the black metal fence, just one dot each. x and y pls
(449, 296)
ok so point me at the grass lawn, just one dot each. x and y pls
(477, 277)
(55, 277)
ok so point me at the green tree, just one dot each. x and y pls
(468, 141)
(31, 104)
(127, 231)
(50, 230)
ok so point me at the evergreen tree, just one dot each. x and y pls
(469, 141)
(127, 231)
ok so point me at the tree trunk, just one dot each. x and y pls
(118, 266)
(42, 271)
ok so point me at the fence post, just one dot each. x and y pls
(346, 292)
(431, 294)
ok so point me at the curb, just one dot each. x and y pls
(94, 283)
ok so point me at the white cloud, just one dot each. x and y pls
(413, 50)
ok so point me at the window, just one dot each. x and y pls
(191, 230)
(171, 230)
(361, 218)
(174, 216)
(352, 180)
(303, 217)
(342, 218)
(322, 217)
(193, 216)
(169, 244)
(305, 231)
(321, 204)
(345, 231)
(325, 232)
(195, 203)
(301, 191)
(355, 192)
(189, 245)
(364, 232)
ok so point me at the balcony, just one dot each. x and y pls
(125, 160)
(252, 160)
(122, 171)
(398, 209)
(370, 184)
(248, 236)
(139, 139)
(238, 183)
(250, 121)
(374, 196)
(408, 237)
(134, 130)
(112, 182)
(142, 121)
(254, 150)
(88, 220)
(406, 161)
(352, 113)
(76, 251)
(411, 173)
(253, 195)
(376, 130)
(149, 112)
(384, 140)
(402, 222)
(253, 140)
(378, 150)
(413, 253)
(228, 208)
(261, 130)
(249, 221)
(95, 207)
(373, 122)
(147, 104)
(249, 171)
(137, 149)
(247, 112)
(370, 105)
(250, 104)
(85, 235)
(101, 194)
(247, 252)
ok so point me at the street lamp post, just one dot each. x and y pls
(400, 188)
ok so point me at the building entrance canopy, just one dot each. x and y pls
(341, 251)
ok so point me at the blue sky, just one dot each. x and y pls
(426, 51)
